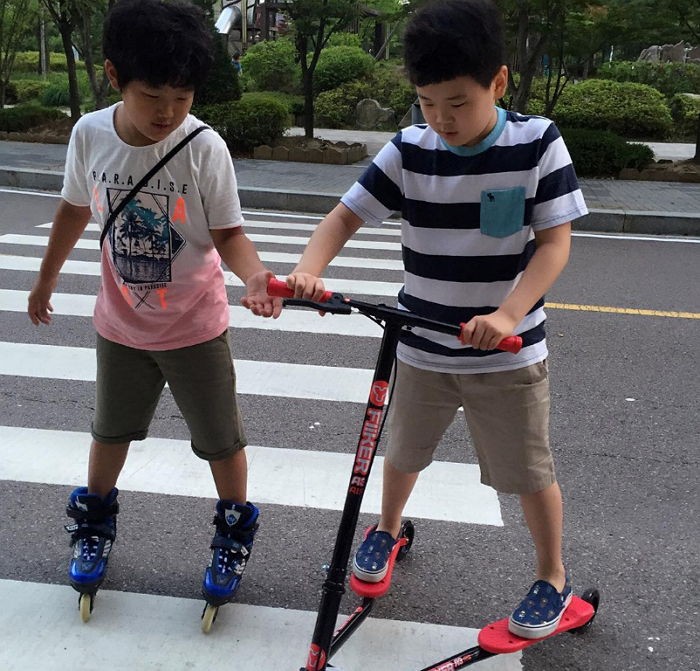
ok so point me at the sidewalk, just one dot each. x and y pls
(667, 208)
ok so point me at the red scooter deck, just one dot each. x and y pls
(496, 638)
(373, 590)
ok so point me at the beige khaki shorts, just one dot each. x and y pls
(507, 414)
(202, 381)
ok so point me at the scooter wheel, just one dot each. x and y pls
(591, 596)
(408, 531)
(208, 617)
(85, 606)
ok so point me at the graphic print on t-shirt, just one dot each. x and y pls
(143, 242)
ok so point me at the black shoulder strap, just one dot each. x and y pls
(144, 180)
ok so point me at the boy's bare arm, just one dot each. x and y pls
(68, 225)
(550, 258)
(239, 254)
(327, 240)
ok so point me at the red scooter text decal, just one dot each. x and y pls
(368, 437)
(317, 658)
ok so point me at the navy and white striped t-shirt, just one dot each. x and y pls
(467, 234)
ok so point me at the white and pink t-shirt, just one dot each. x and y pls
(162, 282)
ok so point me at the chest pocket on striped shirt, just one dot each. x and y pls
(502, 211)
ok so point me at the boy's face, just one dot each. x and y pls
(460, 110)
(149, 114)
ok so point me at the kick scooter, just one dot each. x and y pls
(326, 641)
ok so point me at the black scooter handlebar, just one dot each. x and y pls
(339, 304)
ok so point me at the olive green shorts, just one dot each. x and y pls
(202, 381)
(507, 414)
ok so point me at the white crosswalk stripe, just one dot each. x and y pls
(281, 476)
(73, 267)
(267, 257)
(133, 630)
(300, 321)
(168, 633)
(262, 378)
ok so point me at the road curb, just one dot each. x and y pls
(598, 220)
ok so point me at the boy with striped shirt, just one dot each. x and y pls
(486, 198)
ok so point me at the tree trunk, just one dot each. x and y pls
(99, 88)
(308, 88)
(66, 30)
(307, 82)
(696, 158)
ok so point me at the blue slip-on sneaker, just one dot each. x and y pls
(371, 560)
(539, 612)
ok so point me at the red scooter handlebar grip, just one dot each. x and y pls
(278, 288)
(512, 344)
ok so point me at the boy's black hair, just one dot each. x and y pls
(161, 43)
(454, 38)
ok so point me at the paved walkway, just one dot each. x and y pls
(669, 208)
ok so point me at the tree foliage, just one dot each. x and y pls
(16, 17)
(67, 15)
(314, 21)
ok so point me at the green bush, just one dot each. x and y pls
(685, 111)
(25, 117)
(28, 61)
(597, 153)
(669, 78)
(29, 89)
(336, 108)
(294, 104)
(270, 66)
(253, 120)
(343, 39)
(634, 111)
(57, 94)
(392, 89)
(538, 91)
(386, 84)
(337, 65)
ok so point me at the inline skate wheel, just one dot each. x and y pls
(208, 617)
(85, 606)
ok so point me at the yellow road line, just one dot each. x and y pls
(623, 311)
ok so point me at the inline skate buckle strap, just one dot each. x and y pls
(223, 543)
(92, 515)
(88, 530)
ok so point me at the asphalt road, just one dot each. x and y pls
(624, 431)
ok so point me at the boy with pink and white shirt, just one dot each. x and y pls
(162, 311)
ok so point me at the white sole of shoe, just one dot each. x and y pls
(542, 631)
(368, 577)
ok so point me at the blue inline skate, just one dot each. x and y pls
(92, 535)
(232, 544)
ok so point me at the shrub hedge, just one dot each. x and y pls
(336, 108)
(338, 65)
(685, 111)
(270, 66)
(386, 84)
(633, 111)
(25, 117)
(26, 90)
(253, 120)
(668, 78)
(597, 153)
(28, 61)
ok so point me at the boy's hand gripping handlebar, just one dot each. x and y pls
(339, 304)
